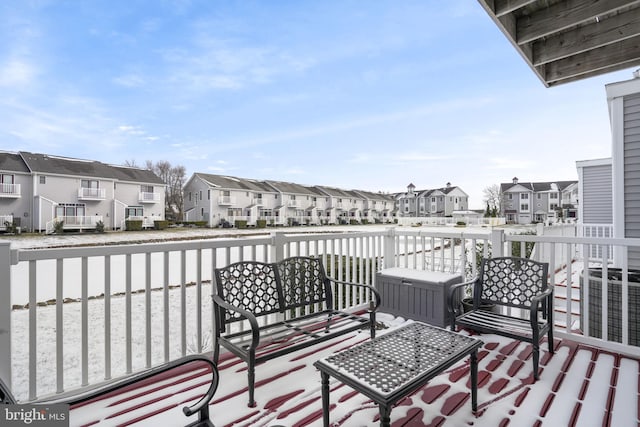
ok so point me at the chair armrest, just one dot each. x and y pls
(255, 329)
(376, 294)
(536, 301)
(453, 289)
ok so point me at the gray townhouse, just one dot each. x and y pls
(217, 198)
(378, 207)
(214, 198)
(530, 202)
(437, 202)
(39, 190)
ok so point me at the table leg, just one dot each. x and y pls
(474, 380)
(325, 398)
(385, 415)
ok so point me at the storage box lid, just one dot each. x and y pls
(421, 275)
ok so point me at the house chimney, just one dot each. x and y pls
(515, 180)
(410, 188)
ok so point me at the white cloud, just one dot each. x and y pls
(16, 72)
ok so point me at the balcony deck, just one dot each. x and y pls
(579, 385)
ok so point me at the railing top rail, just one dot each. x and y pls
(573, 240)
(456, 234)
(130, 249)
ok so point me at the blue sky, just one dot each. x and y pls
(368, 95)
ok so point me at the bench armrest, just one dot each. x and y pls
(255, 329)
(375, 292)
(540, 299)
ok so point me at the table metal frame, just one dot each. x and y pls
(397, 363)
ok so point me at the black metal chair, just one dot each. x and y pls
(509, 282)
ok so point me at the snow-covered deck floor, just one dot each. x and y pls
(578, 386)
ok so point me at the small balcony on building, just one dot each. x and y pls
(226, 201)
(9, 191)
(91, 193)
(146, 197)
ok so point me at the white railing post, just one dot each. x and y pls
(497, 237)
(5, 313)
(389, 248)
(277, 246)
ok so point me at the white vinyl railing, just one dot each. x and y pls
(89, 314)
(9, 190)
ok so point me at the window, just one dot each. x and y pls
(133, 211)
(510, 196)
(90, 187)
(524, 207)
(70, 210)
(524, 196)
(7, 179)
(539, 196)
(553, 195)
(189, 195)
(43, 179)
(146, 188)
(200, 194)
(208, 194)
(89, 183)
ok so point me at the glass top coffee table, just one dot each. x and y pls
(395, 364)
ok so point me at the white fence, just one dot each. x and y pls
(95, 313)
(451, 220)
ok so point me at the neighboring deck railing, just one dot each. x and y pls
(80, 328)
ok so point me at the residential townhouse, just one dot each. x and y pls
(378, 207)
(438, 202)
(39, 190)
(529, 202)
(214, 198)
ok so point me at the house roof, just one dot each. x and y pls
(293, 188)
(234, 183)
(538, 186)
(57, 165)
(12, 162)
(337, 192)
(564, 41)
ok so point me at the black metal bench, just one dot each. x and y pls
(294, 300)
(514, 283)
(132, 382)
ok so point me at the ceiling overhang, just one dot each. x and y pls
(568, 40)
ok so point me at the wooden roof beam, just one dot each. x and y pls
(503, 7)
(611, 30)
(562, 16)
(597, 61)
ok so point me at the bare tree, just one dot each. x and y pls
(493, 198)
(174, 178)
(131, 163)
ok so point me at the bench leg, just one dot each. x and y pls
(536, 359)
(550, 339)
(251, 379)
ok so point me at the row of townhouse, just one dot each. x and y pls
(215, 199)
(439, 202)
(528, 202)
(38, 190)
